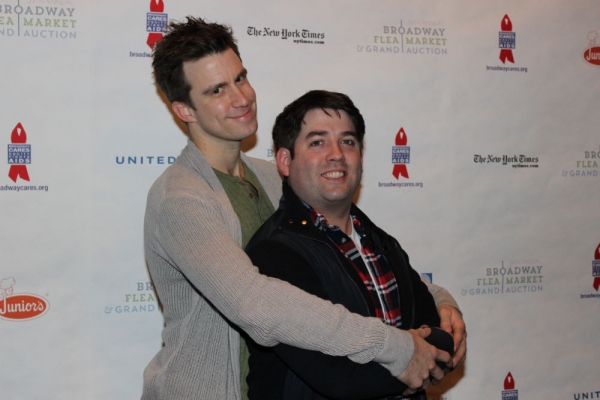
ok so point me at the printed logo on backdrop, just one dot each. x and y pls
(19, 154)
(507, 43)
(144, 160)
(513, 160)
(585, 166)
(18, 158)
(418, 37)
(140, 299)
(400, 158)
(427, 276)
(271, 156)
(595, 276)
(290, 34)
(156, 25)
(47, 19)
(20, 306)
(591, 54)
(509, 392)
(520, 276)
(586, 395)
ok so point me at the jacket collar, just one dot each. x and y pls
(296, 217)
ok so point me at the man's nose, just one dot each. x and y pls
(336, 153)
(239, 97)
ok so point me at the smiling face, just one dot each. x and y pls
(224, 102)
(327, 165)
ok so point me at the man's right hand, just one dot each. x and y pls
(422, 369)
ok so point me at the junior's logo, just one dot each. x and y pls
(591, 54)
(400, 155)
(509, 392)
(507, 40)
(20, 306)
(156, 22)
(19, 154)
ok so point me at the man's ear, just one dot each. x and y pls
(284, 158)
(183, 111)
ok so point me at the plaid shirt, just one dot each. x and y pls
(376, 274)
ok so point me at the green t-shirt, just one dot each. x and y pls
(253, 207)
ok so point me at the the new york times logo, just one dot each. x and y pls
(298, 36)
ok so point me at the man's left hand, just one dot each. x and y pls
(452, 322)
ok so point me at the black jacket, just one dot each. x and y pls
(289, 247)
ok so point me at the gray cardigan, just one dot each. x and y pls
(206, 283)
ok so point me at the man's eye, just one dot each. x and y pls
(241, 78)
(217, 90)
(316, 143)
(349, 142)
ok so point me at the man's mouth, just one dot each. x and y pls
(333, 174)
(245, 115)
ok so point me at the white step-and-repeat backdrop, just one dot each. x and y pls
(482, 158)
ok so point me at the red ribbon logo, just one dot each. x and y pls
(18, 136)
(509, 382)
(154, 37)
(506, 54)
(400, 169)
(597, 258)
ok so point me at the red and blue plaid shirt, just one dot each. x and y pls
(376, 274)
(373, 269)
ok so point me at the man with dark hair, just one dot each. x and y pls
(201, 212)
(322, 243)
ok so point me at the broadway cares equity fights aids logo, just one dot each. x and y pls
(507, 42)
(509, 392)
(156, 26)
(19, 154)
(595, 276)
(400, 157)
(20, 306)
(18, 159)
(41, 21)
(591, 54)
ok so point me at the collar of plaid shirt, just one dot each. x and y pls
(373, 269)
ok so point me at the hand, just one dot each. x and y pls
(451, 321)
(422, 369)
